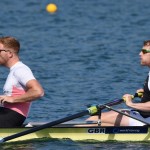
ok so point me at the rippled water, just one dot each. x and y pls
(85, 53)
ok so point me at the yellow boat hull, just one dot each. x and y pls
(83, 133)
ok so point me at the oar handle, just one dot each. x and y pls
(119, 101)
(140, 94)
(94, 109)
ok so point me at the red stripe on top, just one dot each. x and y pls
(22, 108)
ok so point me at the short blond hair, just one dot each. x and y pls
(10, 42)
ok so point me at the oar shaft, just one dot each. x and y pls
(91, 110)
(86, 112)
(114, 102)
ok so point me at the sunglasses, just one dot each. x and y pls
(144, 51)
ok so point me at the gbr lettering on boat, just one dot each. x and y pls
(96, 130)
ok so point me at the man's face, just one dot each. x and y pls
(145, 56)
(3, 55)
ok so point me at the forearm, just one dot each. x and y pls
(140, 106)
(29, 96)
(34, 91)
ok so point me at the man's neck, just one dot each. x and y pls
(12, 62)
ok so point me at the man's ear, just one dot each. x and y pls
(10, 54)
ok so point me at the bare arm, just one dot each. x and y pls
(139, 106)
(34, 91)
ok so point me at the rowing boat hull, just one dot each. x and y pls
(83, 133)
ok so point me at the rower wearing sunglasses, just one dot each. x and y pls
(20, 88)
(140, 110)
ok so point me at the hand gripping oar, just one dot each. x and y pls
(119, 101)
(90, 111)
(120, 112)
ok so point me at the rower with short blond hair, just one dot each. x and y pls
(21, 87)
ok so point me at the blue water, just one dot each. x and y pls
(85, 53)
